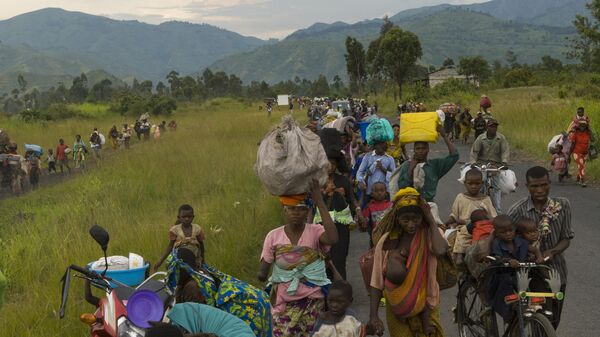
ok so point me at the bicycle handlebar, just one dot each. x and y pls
(521, 264)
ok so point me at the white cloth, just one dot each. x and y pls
(419, 176)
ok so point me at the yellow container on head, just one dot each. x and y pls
(419, 127)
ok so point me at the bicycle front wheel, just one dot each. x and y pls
(536, 325)
(473, 317)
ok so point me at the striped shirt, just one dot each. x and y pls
(560, 229)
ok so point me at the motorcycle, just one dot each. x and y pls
(124, 311)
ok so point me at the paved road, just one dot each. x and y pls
(580, 317)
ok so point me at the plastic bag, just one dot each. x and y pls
(507, 181)
(463, 171)
(379, 130)
(35, 149)
(289, 157)
(553, 142)
(102, 139)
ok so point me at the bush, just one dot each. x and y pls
(518, 77)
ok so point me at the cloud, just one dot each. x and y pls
(262, 18)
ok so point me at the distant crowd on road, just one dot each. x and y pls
(16, 170)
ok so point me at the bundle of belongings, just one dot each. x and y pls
(289, 158)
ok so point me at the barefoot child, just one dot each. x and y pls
(51, 162)
(464, 205)
(339, 320)
(560, 162)
(185, 234)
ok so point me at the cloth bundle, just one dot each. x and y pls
(289, 158)
(379, 130)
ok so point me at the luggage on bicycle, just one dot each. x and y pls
(507, 181)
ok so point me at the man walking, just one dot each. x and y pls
(491, 148)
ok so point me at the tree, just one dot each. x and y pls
(400, 51)
(551, 64)
(585, 46)
(448, 62)
(101, 91)
(511, 59)
(476, 68)
(79, 89)
(337, 84)
(175, 83)
(22, 83)
(355, 64)
(160, 88)
(320, 87)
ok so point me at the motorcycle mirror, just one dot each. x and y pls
(100, 235)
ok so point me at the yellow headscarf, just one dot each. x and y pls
(406, 197)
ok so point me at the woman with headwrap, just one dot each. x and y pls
(295, 253)
(404, 268)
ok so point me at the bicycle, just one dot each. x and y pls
(530, 319)
(473, 316)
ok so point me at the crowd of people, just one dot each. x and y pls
(379, 189)
(16, 170)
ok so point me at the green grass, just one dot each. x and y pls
(135, 194)
(529, 117)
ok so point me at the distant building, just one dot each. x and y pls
(441, 76)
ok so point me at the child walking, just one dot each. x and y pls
(185, 234)
(560, 162)
(375, 209)
(35, 169)
(51, 162)
(339, 319)
(464, 205)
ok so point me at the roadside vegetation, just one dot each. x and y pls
(208, 162)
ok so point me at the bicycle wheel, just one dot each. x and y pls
(473, 317)
(536, 325)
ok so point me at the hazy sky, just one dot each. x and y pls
(261, 18)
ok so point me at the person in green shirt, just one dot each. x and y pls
(423, 173)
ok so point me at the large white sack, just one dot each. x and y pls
(289, 157)
(553, 142)
(507, 181)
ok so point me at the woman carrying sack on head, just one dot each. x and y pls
(404, 271)
(295, 252)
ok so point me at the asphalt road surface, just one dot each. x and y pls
(579, 317)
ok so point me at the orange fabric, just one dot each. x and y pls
(292, 200)
(482, 229)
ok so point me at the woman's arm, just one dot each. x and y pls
(330, 236)
(263, 272)
(375, 323)
(439, 245)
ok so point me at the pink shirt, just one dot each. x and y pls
(310, 238)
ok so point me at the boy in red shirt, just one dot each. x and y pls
(375, 209)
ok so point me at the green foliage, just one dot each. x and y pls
(356, 66)
(443, 34)
(586, 47)
(135, 196)
(400, 51)
(78, 42)
(518, 77)
(475, 67)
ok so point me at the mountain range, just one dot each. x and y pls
(450, 32)
(78, 42)
(52, 45)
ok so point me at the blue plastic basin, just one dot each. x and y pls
(130, 277)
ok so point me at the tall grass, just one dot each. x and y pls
(529, 116)
(135, 194)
